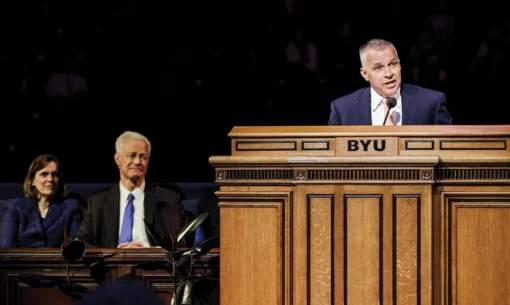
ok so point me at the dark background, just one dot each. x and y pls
(74, 75)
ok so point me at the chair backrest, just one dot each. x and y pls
(11, 190)
(4, 203)
(198, 197)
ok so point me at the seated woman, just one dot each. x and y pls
(39, 218)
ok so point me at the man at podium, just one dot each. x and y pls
(387, 101)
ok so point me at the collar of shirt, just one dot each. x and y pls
(376, 99)
(137, 192)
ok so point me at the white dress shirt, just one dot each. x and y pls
(378, 112)
(139, 233)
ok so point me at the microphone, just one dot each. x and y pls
(391, 102)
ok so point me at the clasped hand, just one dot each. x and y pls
(131, 244)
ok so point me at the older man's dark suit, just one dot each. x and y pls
(100, 225)
(420, 106)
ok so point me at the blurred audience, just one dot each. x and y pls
(290, 60)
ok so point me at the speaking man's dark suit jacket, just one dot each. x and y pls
(22, 226)
(420, 106)
(100, 225)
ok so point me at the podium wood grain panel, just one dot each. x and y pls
(407, 249)
(477, 237)
(258, 261)
(456, 146)
(284, 146)
(363, 249)
(320, 210)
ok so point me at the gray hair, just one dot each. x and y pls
(374, 44)
(130, 135)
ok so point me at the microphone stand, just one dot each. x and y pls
(386, 117)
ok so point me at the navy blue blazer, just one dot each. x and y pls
(420, 106)
(23, 227)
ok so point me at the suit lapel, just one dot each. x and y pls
(149, 207)
(34, 217)
(54, 212)
(111, 206)
(149, 202)
(409, 105)
(364, 101)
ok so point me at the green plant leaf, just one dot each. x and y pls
(203, 248)
(178, 254)
(183, 294)
(192, 225)
(165, 243)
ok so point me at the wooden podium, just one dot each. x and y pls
(365, 215)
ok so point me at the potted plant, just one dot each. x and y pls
(166, 230)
